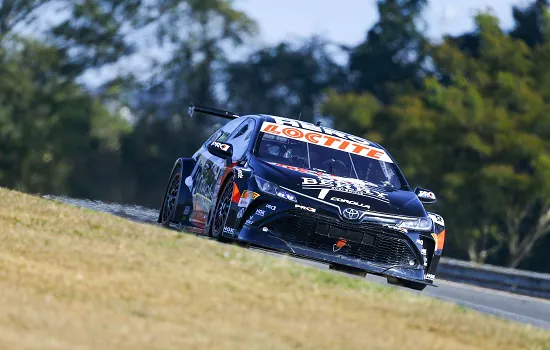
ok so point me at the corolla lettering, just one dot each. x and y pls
(342, 200)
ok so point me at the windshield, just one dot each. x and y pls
(296, 153)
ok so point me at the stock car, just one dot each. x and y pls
(309, 191)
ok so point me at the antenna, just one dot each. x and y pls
(300, 116)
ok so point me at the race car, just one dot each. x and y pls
(309, 191)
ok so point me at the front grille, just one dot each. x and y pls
(372, 242)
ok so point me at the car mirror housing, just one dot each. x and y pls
(425, 196)
(221, 149)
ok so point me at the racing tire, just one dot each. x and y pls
(221, 212)
(348, 269)
(170, 202)
(406, 284)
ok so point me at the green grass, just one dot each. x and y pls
(71, 278)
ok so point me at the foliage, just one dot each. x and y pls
(283, 80)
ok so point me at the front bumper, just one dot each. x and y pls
(371, 247)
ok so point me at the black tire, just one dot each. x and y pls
(348, 269)
(406, 284)
(170, 198)
(221, 211)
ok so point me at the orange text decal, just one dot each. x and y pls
(325, 140)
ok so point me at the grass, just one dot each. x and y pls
(71, 278)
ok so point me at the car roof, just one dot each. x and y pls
(273, 119)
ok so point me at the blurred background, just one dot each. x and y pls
(93, 97)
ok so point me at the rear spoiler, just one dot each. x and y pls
(211, 111)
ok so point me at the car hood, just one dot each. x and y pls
(340, 191)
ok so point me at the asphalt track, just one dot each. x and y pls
(513, 307)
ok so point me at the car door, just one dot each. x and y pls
(205, 176)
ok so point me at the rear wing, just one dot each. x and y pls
(211, 111)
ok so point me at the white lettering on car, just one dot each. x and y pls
(222, 146)
(311, 210)
(437, 219)
(357, 204)
(426, 194)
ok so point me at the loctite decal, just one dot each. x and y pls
(325, 140)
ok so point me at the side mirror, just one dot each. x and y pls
(425, 196)
(220, 149)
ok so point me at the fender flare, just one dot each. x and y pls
(186, 168)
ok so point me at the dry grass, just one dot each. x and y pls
(75, 279)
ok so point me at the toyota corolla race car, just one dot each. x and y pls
(309, 191)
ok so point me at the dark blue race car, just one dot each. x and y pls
(309, 191)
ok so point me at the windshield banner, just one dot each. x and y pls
(325, 140)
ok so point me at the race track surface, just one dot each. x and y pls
(514, 307)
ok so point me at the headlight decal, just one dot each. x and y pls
(274, 190)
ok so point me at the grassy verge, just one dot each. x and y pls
(75, 279)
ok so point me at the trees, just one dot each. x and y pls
(283, 80)
(48, 124)
(390, 60)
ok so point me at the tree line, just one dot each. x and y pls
(467, 116)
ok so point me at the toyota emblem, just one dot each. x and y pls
(351, 214)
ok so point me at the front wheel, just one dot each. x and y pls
(406, 284)
(221, 212)
(168, 209)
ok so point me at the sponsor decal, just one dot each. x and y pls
(339, 245)
(260, 212)
(324, 130)
(244, 202)
(423, 252)
(343, 185)
(247, 197)
(430, 276)
(420, 241)
(186, 210)
(228, 230)
(311, 210)
(223, 146)
(351, 214)
(357, 204)
(394, 227)
(248, 222)
(439, 240)
(239, 173)
(272, 207)
(426, 194)
(250, 194)
(437, 219)
(240, 213)
(341, 142)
